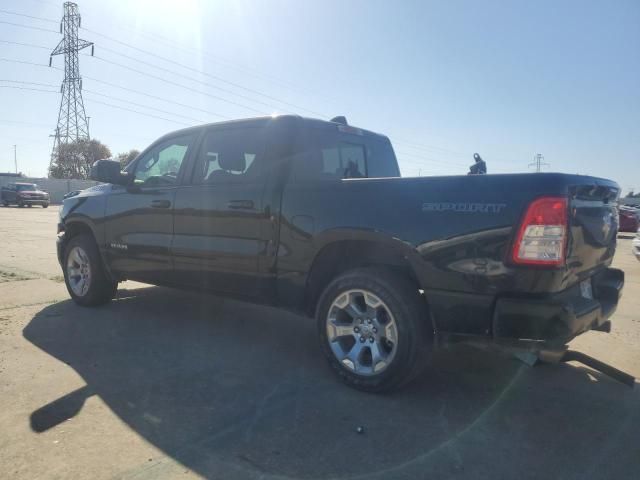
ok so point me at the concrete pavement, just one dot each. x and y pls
(165, 384)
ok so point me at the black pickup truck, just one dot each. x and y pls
(313, 216)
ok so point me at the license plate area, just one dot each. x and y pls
(586, 290)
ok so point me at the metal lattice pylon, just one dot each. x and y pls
(72, 120)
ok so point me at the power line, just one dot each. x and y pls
(29, 27)
(143, 106)
(152, 36)
(155, 97)
(418, 146)
(181, 65)
(28, 88)
(186, 87)
(29, 83)
(105, 103)
(28, 16)
(24, 62)
(176, 73)
(131, 90)
(140, 113)
(172, 44)
(206, 84)
(92, 101)
(24, 44)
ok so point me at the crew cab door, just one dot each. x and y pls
(221, 220)
(139, 217)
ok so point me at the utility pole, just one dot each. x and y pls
(538, 162)
(15, 157)
(72, 121)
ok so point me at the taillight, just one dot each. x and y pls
(542, 236)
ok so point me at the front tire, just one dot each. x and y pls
(84, 274)
(374, 329)
(45, 205)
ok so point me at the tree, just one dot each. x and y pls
(74, 159)
(126, 157)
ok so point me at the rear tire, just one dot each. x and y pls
(20, 205)
(84, 273)
(29, 205)
(380, 315)
(45, 205)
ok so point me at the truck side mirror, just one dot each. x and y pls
(108, 171)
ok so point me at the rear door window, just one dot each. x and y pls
(230, 156)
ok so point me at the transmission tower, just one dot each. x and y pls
(72, 121)
(538, 162)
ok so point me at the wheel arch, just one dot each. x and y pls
(349, 250)
(79, 225)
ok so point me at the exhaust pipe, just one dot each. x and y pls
(619, 375)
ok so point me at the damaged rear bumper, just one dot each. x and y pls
(554, 320)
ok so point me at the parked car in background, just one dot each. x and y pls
(22, 194)
(629, 219)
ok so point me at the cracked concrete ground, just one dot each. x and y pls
(165, 384)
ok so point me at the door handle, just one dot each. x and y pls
(160, 203)
(240, 204)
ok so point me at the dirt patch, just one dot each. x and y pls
(14, 276)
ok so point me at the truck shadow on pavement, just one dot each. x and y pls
(232, 390)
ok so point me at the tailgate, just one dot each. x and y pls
(593, 226)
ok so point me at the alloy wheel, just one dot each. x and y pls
(78, 271)
(362, 332)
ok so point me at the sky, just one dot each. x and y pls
(445, 79)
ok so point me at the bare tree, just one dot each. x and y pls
(74, 160)
(126, 157)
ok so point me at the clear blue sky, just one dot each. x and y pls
(443, 79)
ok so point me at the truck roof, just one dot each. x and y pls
(262, 121)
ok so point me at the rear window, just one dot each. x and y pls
(333, 155)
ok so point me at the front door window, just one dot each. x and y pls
(162, 164)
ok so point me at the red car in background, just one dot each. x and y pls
(629, 219)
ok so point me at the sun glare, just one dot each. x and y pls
(181, 18)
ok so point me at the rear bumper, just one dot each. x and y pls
(556, 319)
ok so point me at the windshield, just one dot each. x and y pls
(27, 187)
